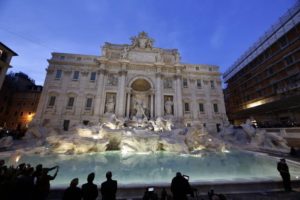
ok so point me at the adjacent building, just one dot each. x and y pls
(19, 99)
(133, 81)
(264, 83)
(5, 57)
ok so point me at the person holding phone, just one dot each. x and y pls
(150, 194)
(180, 187)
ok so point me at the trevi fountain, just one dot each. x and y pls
(144, 126)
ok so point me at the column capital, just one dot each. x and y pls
(102, 71)
(128, 90)
(159, 74)
(122, 72)
(177, 76)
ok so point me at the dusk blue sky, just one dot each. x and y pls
(204, 31)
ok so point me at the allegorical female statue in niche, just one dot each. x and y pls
(110, 104)
(168, 106)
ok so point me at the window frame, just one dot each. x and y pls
(216, 108)
(75, 76)
(86, 103)
(185, 83)
(70, 102)
(201, 105)
(93, 74)
(187, 107)
(51, 99)
(58, 74)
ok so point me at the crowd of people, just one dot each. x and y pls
(25, 182)
(28, 183)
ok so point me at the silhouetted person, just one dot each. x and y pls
(164, 194)
(73, 192)
(150, 194)
(210, 194)
(89, 190)
(24, 184)
(293, 152)
(39, 169)
(180, 187)
(42, 186)
(283, 169)
(109, 188)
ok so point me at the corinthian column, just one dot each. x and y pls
(158, 95)
(100, 85)
(121, 92)
(128, 103)
(194, 107)
(178, 95)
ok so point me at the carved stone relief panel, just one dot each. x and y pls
(168, 83)
(112, 80)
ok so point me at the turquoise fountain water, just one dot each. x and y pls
(160, 168)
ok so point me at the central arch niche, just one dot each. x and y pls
(140, 85)
(141, 99)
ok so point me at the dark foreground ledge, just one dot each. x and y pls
(237, 190)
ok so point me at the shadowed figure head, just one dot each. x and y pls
(74, 182)
(108, 175)
(178, 174)
(91, 177)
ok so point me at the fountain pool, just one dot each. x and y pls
(160, 168)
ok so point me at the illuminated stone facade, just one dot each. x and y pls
(134, 80)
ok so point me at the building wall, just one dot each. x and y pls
(116, 72)
(267, 88)
(19, 99)
(5, 57)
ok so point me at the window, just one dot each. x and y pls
(88, 104)
(76, 75)
(197, 68)
(259, 93)
(199, 85)
(289, 60)
(21, 114)
(3, 56)
(216, 109)
(283, 42)
(78, 58)
(185, 83)
(70, 102)
(201, 107)
(186, 107)
(93, 76)
(62, 57)
(218, 127)
(58, 74)
(270, 71)
(212, 84)
(66, 125)
(85, 122)
(210, 69)
(51, 101)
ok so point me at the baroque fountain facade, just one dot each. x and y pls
(134, 98)
(100, 113)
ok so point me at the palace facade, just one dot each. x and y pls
(264, 83)
(132, 81)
